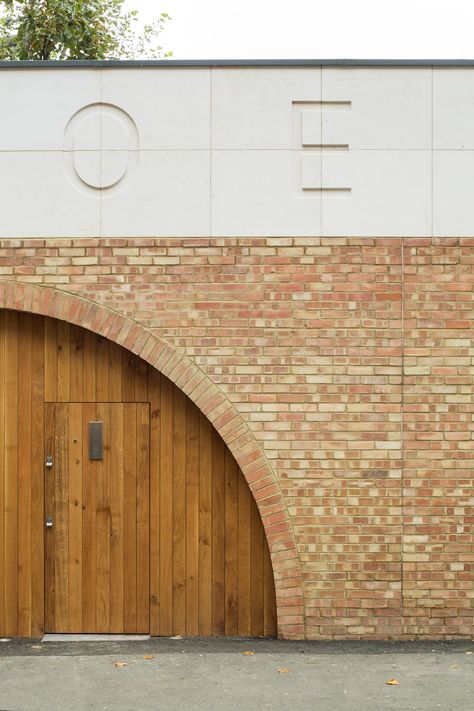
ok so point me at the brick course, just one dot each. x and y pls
(351, 363)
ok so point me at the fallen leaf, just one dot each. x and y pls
(36, 646)
(453, 666)
(120, 664)
(468, 652)
(177, 636)
(392, 682)
(284, 670)
(148, 656)
(249, 653)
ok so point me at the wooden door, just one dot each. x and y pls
(209, 570)
(97, 546)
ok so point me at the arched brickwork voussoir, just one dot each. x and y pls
(212, 402)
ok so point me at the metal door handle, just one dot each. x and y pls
(49, 522)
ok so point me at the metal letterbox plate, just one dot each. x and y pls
(95, 440)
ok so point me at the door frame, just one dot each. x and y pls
(50, 496)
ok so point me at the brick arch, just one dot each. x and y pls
(212, 402)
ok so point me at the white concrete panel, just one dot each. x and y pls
(170, 107)
(258, 193)
(293, 156)
(311, 128)
(311, 170)
(337, 123)
(86, 135)
(252, 107)
(114, 166)
(114, 135)
(390, 193)
(36, 105)
(390, 107)
(453, 107)
(87, 165)
(38, 199)
(453, 193)
(168, 195)
(336, 170)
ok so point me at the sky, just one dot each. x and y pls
(318, 29)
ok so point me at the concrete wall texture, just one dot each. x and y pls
(237, 151)
(316, 264)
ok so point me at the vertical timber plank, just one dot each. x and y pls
(115, 373)
(179, 513)
(166, 509)
(141, 380)
(89, 367)
(154, 396)
(244, 555)
(256, 583)
(38, 474)
(51, 359)
(117, 439)
(77, 363)
(49, 489)
(3, 572)
(130, 518)
(270, 619)
(89, 563)
(100, 469)
(61, 518)
(75, 517)
(205, 527)
(10, 581)
(231, 544)
(24, 465)
(192, 519)
(143, 516)
(128, 375)
(218, 535)
(102, 369)
(64, 361)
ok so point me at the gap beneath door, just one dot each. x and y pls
(95, 637)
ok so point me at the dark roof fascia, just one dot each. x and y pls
(170, 63)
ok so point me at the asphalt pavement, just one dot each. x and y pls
(233, 674)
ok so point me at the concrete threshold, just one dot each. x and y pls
(95, 638)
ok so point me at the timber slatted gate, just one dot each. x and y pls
(165, 537)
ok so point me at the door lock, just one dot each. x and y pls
(49, 462)
(49, 522)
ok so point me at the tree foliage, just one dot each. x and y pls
(75, 29)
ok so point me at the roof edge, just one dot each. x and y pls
(144, 63)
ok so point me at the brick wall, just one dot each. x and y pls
(352, 362)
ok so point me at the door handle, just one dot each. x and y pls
(49, 522)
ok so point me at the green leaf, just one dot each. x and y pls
(73, 29)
